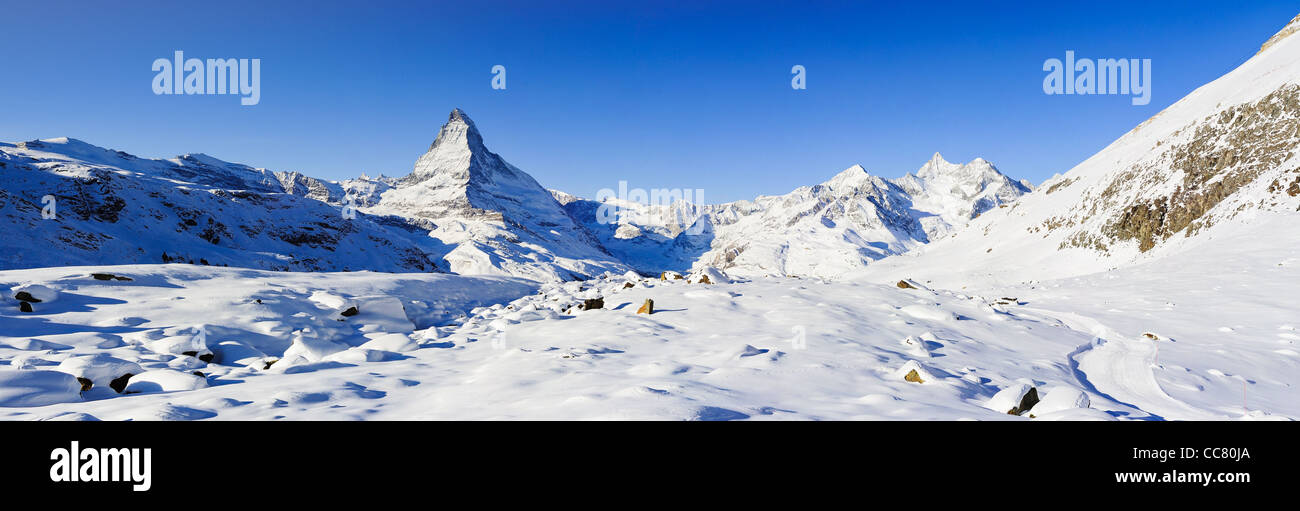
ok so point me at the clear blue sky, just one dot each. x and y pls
(665, 94)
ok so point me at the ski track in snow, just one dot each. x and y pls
(1120, 369)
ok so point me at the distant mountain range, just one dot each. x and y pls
(462, 209)
(1226, 153)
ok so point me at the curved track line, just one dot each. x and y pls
(1120, 369)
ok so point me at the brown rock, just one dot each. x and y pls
(912, 377)
(1027, 402)
(351, 311)
(647, 308)
(86, 384)
(119, 384)
(629, 285)
(24, 296)
(592, 303)
(903, 284)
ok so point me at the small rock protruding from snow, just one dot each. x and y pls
(109, 276)
(647, 308)
(1016, 399)
(904, 284)
(708, 275)
(119, 384)
(592, 303)
(100, 369)
(164, 380)
(670, 275)
(914, 372)
(34, 293)
(916, 346)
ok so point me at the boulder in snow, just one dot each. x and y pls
(914, 372)
(109, 276)
(1016, 399)
(164, 380)
(101, 368)
(34, 293)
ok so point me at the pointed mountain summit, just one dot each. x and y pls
(937, 166)
(491, 217)
(457, 154)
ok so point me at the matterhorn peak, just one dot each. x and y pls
(457, 153)
(459, 131)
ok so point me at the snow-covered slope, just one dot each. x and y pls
(1222, 158)
(112, 208)
(275, 345)
(831, 229)
(492, 217)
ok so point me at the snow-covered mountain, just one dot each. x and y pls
(1166, 263)
(1223, 158)
(110, 207)
(462, 209)
(831, 229)
(491, 217)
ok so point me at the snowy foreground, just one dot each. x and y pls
(423, 346)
